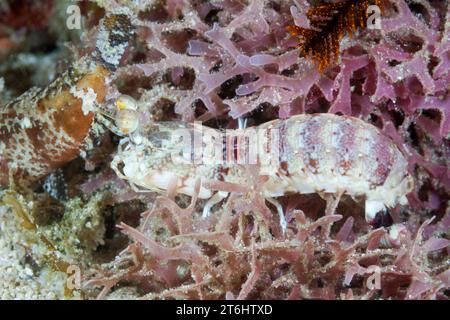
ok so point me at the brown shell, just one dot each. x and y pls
(44, 129)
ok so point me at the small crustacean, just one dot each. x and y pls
(321, 153)
(46, 128)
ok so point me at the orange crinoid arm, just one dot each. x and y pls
(330, 22)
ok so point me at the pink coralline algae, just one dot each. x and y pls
(222, 61)
(218, 61)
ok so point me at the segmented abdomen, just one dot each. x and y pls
(330, 153)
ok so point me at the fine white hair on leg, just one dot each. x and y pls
(283, 223)
(215, 199)
(372, 208)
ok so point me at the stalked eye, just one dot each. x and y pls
(127, 116)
